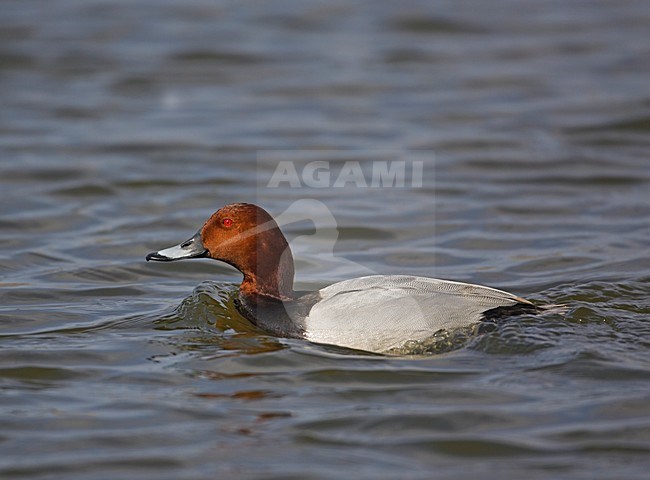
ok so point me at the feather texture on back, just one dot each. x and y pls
(381, 312)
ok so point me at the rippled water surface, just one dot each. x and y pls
(123, 125)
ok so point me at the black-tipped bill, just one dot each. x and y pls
(192, 248)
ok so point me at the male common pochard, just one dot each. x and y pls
(374, 313)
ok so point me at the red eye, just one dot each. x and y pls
(227, 222)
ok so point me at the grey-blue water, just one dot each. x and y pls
(123, 125)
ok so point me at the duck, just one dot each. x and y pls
(374, 313)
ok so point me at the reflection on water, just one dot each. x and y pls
(124, 125)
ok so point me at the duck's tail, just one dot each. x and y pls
(501, 313)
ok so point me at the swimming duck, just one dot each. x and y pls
(375, 313)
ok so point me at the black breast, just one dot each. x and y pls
(281, 318)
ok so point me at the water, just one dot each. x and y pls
(123, 126)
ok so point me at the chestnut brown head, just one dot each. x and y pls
(246, 237)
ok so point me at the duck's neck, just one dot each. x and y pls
(271, 275)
